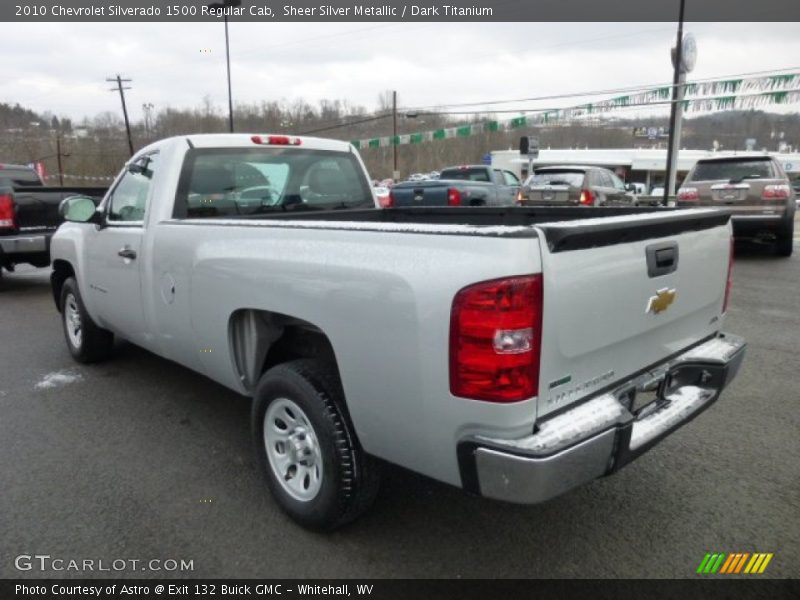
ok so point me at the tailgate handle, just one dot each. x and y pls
(662, 258)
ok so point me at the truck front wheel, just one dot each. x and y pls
(86, 341)
(306, 446)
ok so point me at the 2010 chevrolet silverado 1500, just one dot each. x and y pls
(515, 352)
(29, 215)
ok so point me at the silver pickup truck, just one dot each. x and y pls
(514, 352)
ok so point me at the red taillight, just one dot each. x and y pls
(276, 140)
(688, 194)
(453, 197)
(776, 192)
(8, 216)
(729, 280)
(495, 339)
(587, 198)
(386, 201)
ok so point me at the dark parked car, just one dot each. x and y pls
(754, 187)
(29, 215)
(575, 186)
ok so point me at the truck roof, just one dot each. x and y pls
(245, 140)
(743, 156)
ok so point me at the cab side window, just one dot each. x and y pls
(129, 199)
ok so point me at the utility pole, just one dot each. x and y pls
(58, 155)
(395, 172)
(682, 64)
(119, 81)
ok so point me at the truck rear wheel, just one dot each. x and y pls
(86, 341)
(306, 446)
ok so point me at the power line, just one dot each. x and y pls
(347, 124)
(597, 92)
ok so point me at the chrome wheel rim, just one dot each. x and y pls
(72, 321)
(293, 449)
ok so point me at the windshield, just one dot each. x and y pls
(569, 178)
(756, 168)
(226, 182)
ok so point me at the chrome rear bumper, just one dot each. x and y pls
(604, 433)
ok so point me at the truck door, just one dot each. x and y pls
(114, 253)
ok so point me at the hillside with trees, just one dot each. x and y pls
(97, 146)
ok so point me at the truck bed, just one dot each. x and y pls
(565, 228)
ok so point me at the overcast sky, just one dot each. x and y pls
(62, 67)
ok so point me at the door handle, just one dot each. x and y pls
(662, 258)
(127, 252)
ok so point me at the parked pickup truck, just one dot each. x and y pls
(514, 352)
(29, 215)
(474, 185)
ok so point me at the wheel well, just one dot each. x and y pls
(62, 271)
(262, 339)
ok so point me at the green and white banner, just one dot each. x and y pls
(729, 94)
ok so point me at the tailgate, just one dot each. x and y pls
(421, 194)
(553, 194)
(37, 208)
(622, 294)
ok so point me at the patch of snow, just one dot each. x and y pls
(492, 230)
(57, 378)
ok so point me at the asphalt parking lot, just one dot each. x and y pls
(138, 458)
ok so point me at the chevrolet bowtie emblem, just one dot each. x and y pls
(661, 301)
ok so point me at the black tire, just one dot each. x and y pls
(95, 343)
(784, 245)
(350, 477)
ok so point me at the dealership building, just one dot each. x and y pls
(633, 165)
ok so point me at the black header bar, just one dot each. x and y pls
(400, 10)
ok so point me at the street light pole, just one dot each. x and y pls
(674, 126)
(228, 63)
(222, 6)
(395, 172)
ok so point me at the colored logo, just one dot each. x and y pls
(661, 301)
(734, 563)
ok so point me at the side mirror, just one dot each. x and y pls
(629, 187)
(79, 209)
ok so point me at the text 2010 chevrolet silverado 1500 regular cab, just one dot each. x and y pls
(515, 352)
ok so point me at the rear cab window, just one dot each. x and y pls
(734, 169)
(466, 174)
(238, 182)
